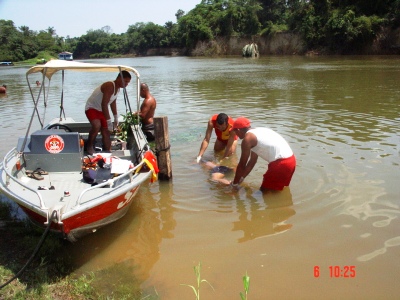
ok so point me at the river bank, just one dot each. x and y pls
(280, 43)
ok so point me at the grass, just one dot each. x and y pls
(42, 56)
(51, 274)
(196, 289)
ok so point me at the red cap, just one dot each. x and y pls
(241, 122)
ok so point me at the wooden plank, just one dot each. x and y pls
(163, 148)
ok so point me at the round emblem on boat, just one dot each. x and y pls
(54, 144)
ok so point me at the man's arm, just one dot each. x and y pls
(250, 164)
(229, 148)
(248, 158)
(206, 140)
(107, 89)
(115, 113)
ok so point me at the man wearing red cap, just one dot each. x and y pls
(226, 137)
(270, 146)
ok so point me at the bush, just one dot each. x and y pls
(272, 28)
(348, 33)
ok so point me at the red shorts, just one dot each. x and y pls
(94, 114)
(279, 173)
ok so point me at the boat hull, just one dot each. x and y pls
(86, 208)
(90, 220)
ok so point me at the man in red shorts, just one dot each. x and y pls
(97, 110)
(226, 137)
(270, 146)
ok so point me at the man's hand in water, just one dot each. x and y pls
(234, 186)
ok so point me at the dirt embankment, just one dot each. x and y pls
(283, 43)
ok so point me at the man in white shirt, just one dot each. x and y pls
(270, 146)
(97, 111)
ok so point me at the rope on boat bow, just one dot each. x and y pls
(39, 245)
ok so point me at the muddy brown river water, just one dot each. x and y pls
(334, 234)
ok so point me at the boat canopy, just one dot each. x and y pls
(53, 66)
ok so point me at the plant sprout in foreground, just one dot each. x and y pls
(196, 290)
(246, 284)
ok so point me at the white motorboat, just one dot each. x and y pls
(43, 174)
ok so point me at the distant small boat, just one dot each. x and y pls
(65, 56)
(6, 63)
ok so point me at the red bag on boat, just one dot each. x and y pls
(150, 157)
(151, 162)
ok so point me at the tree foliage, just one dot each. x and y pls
(341, 26)
(21, 43)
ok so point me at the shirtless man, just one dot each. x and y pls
(147, 110)
(97, 110)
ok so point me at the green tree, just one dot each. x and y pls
(7, 33)
(365, 7)
(342, 26)
(214, 18)
(273, 11)
(16, 45)
(192, 29)
(143, 36)
(179, 14)
(348, 33)
(304, 19)
(171, 38)
(94, 41)
(240, 17)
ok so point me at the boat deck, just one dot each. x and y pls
(67, 190)
(71, 182)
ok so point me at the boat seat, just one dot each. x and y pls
(53, 150)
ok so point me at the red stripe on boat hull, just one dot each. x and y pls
(88, 220)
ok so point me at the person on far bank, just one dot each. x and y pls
(97, 110)
(270, 146)
(147, 110)
(226, 137)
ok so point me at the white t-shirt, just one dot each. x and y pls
(271, 145)
(96, 98)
